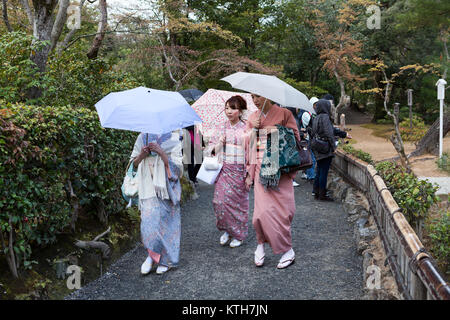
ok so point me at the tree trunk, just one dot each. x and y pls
(73, 199)
(379, 112)
(446, 54)
(396, 139)
(5, 16)
(101, 212)
(342, 100)
(10, 259)
(93, 52)
(42, 30)
(60, 20)
(12, 256)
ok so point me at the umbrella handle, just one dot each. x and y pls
(262, 110)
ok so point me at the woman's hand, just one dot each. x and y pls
(255, 123)
(144, 152)
(270, 128)
(248, 182)
(222, 140)
(142, 155)
(154, 147)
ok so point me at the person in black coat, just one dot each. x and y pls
(193, 167)
(323, 129)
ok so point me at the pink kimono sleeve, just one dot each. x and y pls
(250, 149)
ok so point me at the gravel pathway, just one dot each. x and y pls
(326, 267)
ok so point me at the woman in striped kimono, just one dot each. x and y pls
(158, 160)
(231, 196)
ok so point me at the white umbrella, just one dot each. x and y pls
(146, 110)
(270, 87)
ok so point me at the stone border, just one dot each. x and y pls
(413, 268)
(367, 237)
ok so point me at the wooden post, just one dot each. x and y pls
(342, 121)
(410, 102)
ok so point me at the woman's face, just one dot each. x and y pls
(258, 101)
(232, 114)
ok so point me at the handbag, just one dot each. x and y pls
(211, 163)
(305, 155)
(319, 145)
(130, 186)
(209, 170)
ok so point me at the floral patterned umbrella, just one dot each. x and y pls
(211, 109)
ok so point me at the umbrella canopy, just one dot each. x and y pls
(146, 110)
(191, 94)
(271, 88)
(211, 108)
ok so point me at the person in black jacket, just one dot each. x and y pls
(323, 130)
(336, 131)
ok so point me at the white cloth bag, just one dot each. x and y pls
(209, 170)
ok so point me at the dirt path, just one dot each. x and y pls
(327, 264)
(381, 148)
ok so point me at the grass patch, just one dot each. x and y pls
(380, 130)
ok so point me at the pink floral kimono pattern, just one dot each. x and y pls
(231, 198)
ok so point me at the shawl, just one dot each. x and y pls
(151, 171)
(280, 156)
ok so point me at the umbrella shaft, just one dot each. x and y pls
(262, 110)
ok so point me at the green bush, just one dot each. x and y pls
(439, 233)
(443, 162)
(414, 196)
(415, 133)
(364, 156)
(70, 78)
(44, 153)
(17, 71)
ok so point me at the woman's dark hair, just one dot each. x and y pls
(237, 102)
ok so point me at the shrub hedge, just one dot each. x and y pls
(364, 156)
(414, 196)
(55, 161)
(439, 233)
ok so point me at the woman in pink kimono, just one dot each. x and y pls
(273, 209)
(231, 195)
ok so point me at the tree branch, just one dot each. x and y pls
(28, 11)
(95, 244)
(60, 20)
(64, 44)
(168, 63)
(93, 52)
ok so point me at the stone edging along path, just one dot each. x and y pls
(367, 237)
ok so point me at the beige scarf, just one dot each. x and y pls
(151, 171)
